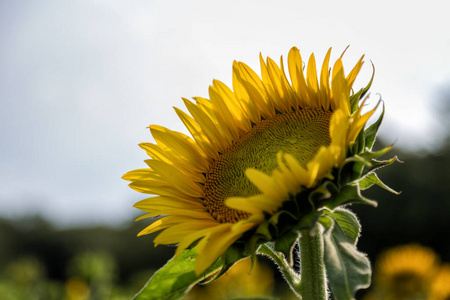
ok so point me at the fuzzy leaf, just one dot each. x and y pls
(348, 222)
(176, 278)
(348, 270)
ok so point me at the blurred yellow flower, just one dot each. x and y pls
(405, 273)
(242, 280)
(440, 287)
(77, 289)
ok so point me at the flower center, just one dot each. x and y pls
(300, 133)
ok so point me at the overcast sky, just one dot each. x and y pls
(81, 80)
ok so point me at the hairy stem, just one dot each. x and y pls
(312, 267)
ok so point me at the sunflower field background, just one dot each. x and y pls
(40, 261)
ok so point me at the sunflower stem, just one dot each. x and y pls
(312, 266)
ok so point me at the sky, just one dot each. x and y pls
(80, 82)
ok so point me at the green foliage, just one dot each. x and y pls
(346, 220)
(176, 278)
(348, 270)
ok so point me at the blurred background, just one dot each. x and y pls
(80, 82)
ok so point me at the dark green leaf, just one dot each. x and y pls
(176, 278)
(348, 270)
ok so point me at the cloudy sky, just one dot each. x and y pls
(81, 80)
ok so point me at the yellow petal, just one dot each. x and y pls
(197, 133)
(209, 249)
(263, 182)
(140, 174)
(354, 72)
(182, 145)
(250, 109)
(295, 66)
(325, 81)
(254, 204)
(313, 84)
(177, 179)
(207, 125)
(235, 108)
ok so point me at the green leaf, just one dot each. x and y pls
(372, 179)
(176, 278)
(348, 222)
(348, 270)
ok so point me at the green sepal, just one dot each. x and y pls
(367, 155)
(348, 270)
(351, 169)
(348, 195)
(359, 165)
(371, 131)
(372, 179)
(354, 99)
(346, 220)
(359, 145)
(318, 196)
(175, 279)
(374, 164)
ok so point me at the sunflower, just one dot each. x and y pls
(252, 149)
